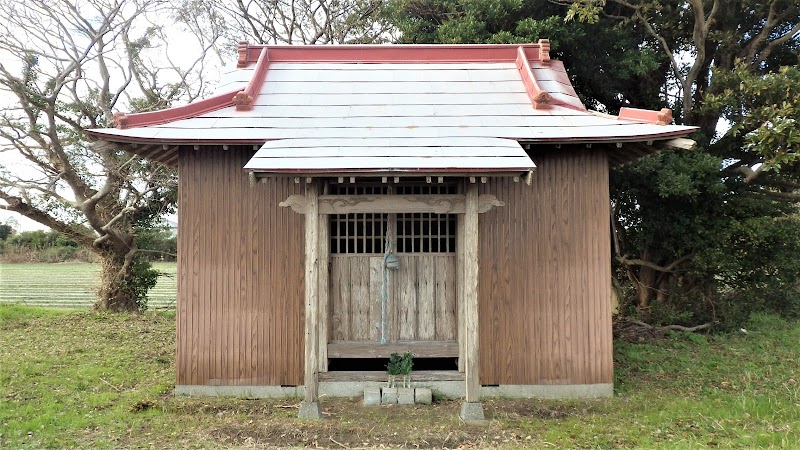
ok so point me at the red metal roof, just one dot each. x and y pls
(392, 92)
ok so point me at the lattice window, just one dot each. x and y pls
(412, 232)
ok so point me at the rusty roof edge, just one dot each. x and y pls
(244, 98)
(388, 53)
(136, 120)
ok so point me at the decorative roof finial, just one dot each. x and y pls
(242, 50)
(544, 50)
(120, 120)
(665, 116)
(243, 101)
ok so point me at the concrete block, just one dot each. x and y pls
(389, 396)
(472, 412)
(405, 396)
(372, 396)
(309, 410)
(423, 396)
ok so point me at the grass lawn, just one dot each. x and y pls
(80, 379)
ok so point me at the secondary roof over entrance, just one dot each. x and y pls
(391, 108)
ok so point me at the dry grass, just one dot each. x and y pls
(90, 380)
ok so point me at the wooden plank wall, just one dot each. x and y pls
(240, 274)
(421, 298)
(544, 283)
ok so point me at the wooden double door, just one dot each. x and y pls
(375, 311)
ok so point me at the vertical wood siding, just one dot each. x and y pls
(240, 274)
(544, 283)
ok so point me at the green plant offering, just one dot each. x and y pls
(406, 363)
(394, 368)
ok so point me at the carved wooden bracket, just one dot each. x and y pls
(298, 203)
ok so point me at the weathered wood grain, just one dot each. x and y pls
(375, 297)
(323, 291)
(360, 298)
(371, 349)
(416, 376)
(471, 338)
(340, 298)
(311, 392)
(407, 300)
(426, 298)
(445, 299)
(460, 291)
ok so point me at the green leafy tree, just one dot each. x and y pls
(697, 234)
(6, 230)
(729, 62)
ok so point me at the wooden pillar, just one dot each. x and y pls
(323, 288)
(471, 410)
(460, 290)
(309, 407)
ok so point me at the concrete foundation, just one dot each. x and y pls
(453, 389)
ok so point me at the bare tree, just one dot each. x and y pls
(305, 21)
(67, 66)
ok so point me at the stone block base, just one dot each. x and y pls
(423, 396)
(472, 412)
(309, 410)
(372, 396)
(397, 396)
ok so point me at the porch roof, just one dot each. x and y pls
(390, 156)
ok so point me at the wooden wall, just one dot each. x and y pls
(544, 284)
(240, 274)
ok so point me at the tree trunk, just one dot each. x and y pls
(115, 293)
(645, 286)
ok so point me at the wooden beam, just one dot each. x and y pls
(440, 204)
(682, 143)
(470, 250)
(312, 285)
(380, 375)
(370, 349)
(347, 204)
(387, 204)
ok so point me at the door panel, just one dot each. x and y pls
(420, 304)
